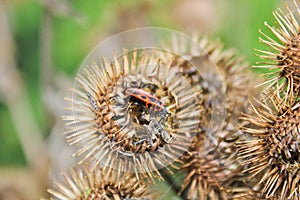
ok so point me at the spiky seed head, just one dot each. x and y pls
(272, 155)
(232, 68)
(81, 184)
(283, 57)
(212, 170)
(118, 130)
(208, 176)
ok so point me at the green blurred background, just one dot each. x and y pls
(50, 39)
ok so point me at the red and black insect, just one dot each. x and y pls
(157, 109)
(148, 100)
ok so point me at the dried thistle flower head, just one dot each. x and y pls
(272, 155)
(196, 59)
(81, 184)
(212, 169)
(209, 174)
(284, 53)
(133, 114)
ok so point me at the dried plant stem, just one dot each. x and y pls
(46, 35)
(47, 75)
(12, 92)
(172, 183)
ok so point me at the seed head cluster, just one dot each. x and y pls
(211, 167)
(271, 153)
(188, 110)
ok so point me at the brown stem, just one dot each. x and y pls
(172, 183)
(12, 92)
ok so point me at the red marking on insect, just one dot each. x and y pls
(150, 101)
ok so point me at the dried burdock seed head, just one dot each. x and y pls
(209, 174)
(132, 114)
(283, 58)
(80, 184)
(212, 170)
(272, 154)
(195, 59)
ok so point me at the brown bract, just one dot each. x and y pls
(272, 154)
(283, 57)
(80, 184)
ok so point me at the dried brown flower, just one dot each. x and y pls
(283, 58)
(197, 59)
(100, 184)
(133, 114)
(213, 171)
(272, 155)
(208, 175)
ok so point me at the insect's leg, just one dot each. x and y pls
(162, 119)
(166, 136)
(161, 131)
(156, 126)
(151, 133)
(163, 114)
(152, 115)
(153, 130)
